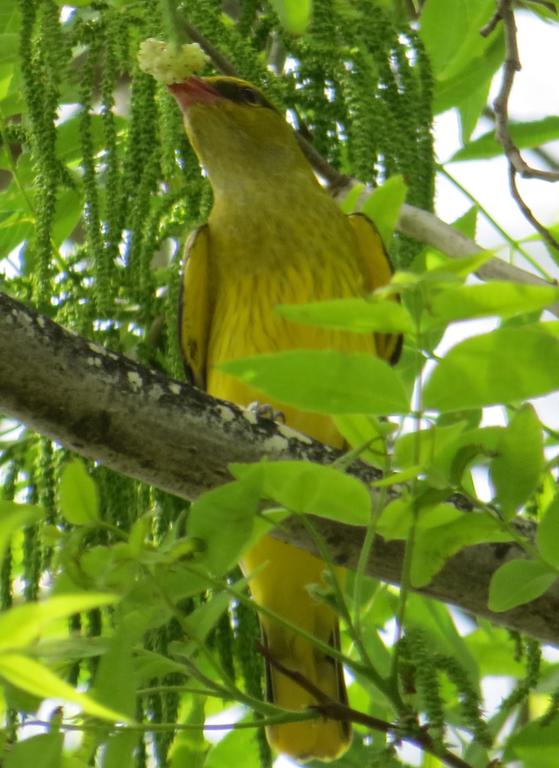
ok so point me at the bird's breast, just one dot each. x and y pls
(262, 262)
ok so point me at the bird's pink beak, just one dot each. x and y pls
(193, 91)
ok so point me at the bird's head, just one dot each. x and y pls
(236, 132)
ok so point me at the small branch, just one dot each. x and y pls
(491, 24)
(545, 156)
(511, 67)
(336, 710)
(526, 210)
(517, 164)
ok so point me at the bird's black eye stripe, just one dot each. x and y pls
(250, 96)
(241, 93)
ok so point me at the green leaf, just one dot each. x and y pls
(110, 568)
(396, 519)
(9, 47)
(324, 381)
(439, 267)
(467, 223)
(518, 582)
(312, 489)
(547, 534)
(502, 299)
(456, 89)
(238, 747)
(115, 680)
(358, 315)
(69, 139)
(441, 534)
(69, 208)
(203, 619)
(23, 624)
(384, 204)
(535, 746)
(471, 108)
(36, 679)
(77, 495)
(446, 451)
(450, 31)
(223, 519)
(119, 750)
(525, 135)
(491, 648)
(14, 230)
(189, 747)
(516, 469)
(350, 200)
(451, 460)
(71, 761)
(442, 530)
(150, 664)
(294, 15)
(359, 430)
(503, 366)
(14, 516)
(397, 478)
(421, 446)
(43, 751)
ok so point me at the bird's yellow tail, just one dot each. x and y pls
(281, 585)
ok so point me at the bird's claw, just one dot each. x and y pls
(264, 411)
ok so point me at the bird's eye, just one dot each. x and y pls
(249, 96)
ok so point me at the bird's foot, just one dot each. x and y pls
(264, 411)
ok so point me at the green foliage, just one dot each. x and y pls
(119, 599)
(78, 495)
(43, 751)
(310, 489)
(518, 582)
(518, 465)
(383, 206)
(357, 315)
(502, 366)
(326, 381)
(294, 15)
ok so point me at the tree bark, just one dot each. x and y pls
(167, 433)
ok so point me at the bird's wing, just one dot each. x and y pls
(194, 307)
(377, 271)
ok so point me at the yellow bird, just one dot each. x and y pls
(274, 236)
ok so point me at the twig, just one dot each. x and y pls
(545, 233)
(336, 710)
(517, 163)
(491, 24)
(107, 728)
(511, 67)
(545, 156)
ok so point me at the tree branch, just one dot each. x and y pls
(517, 164)
(167, 433)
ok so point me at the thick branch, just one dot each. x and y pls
(139, 423)
(132, 419)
